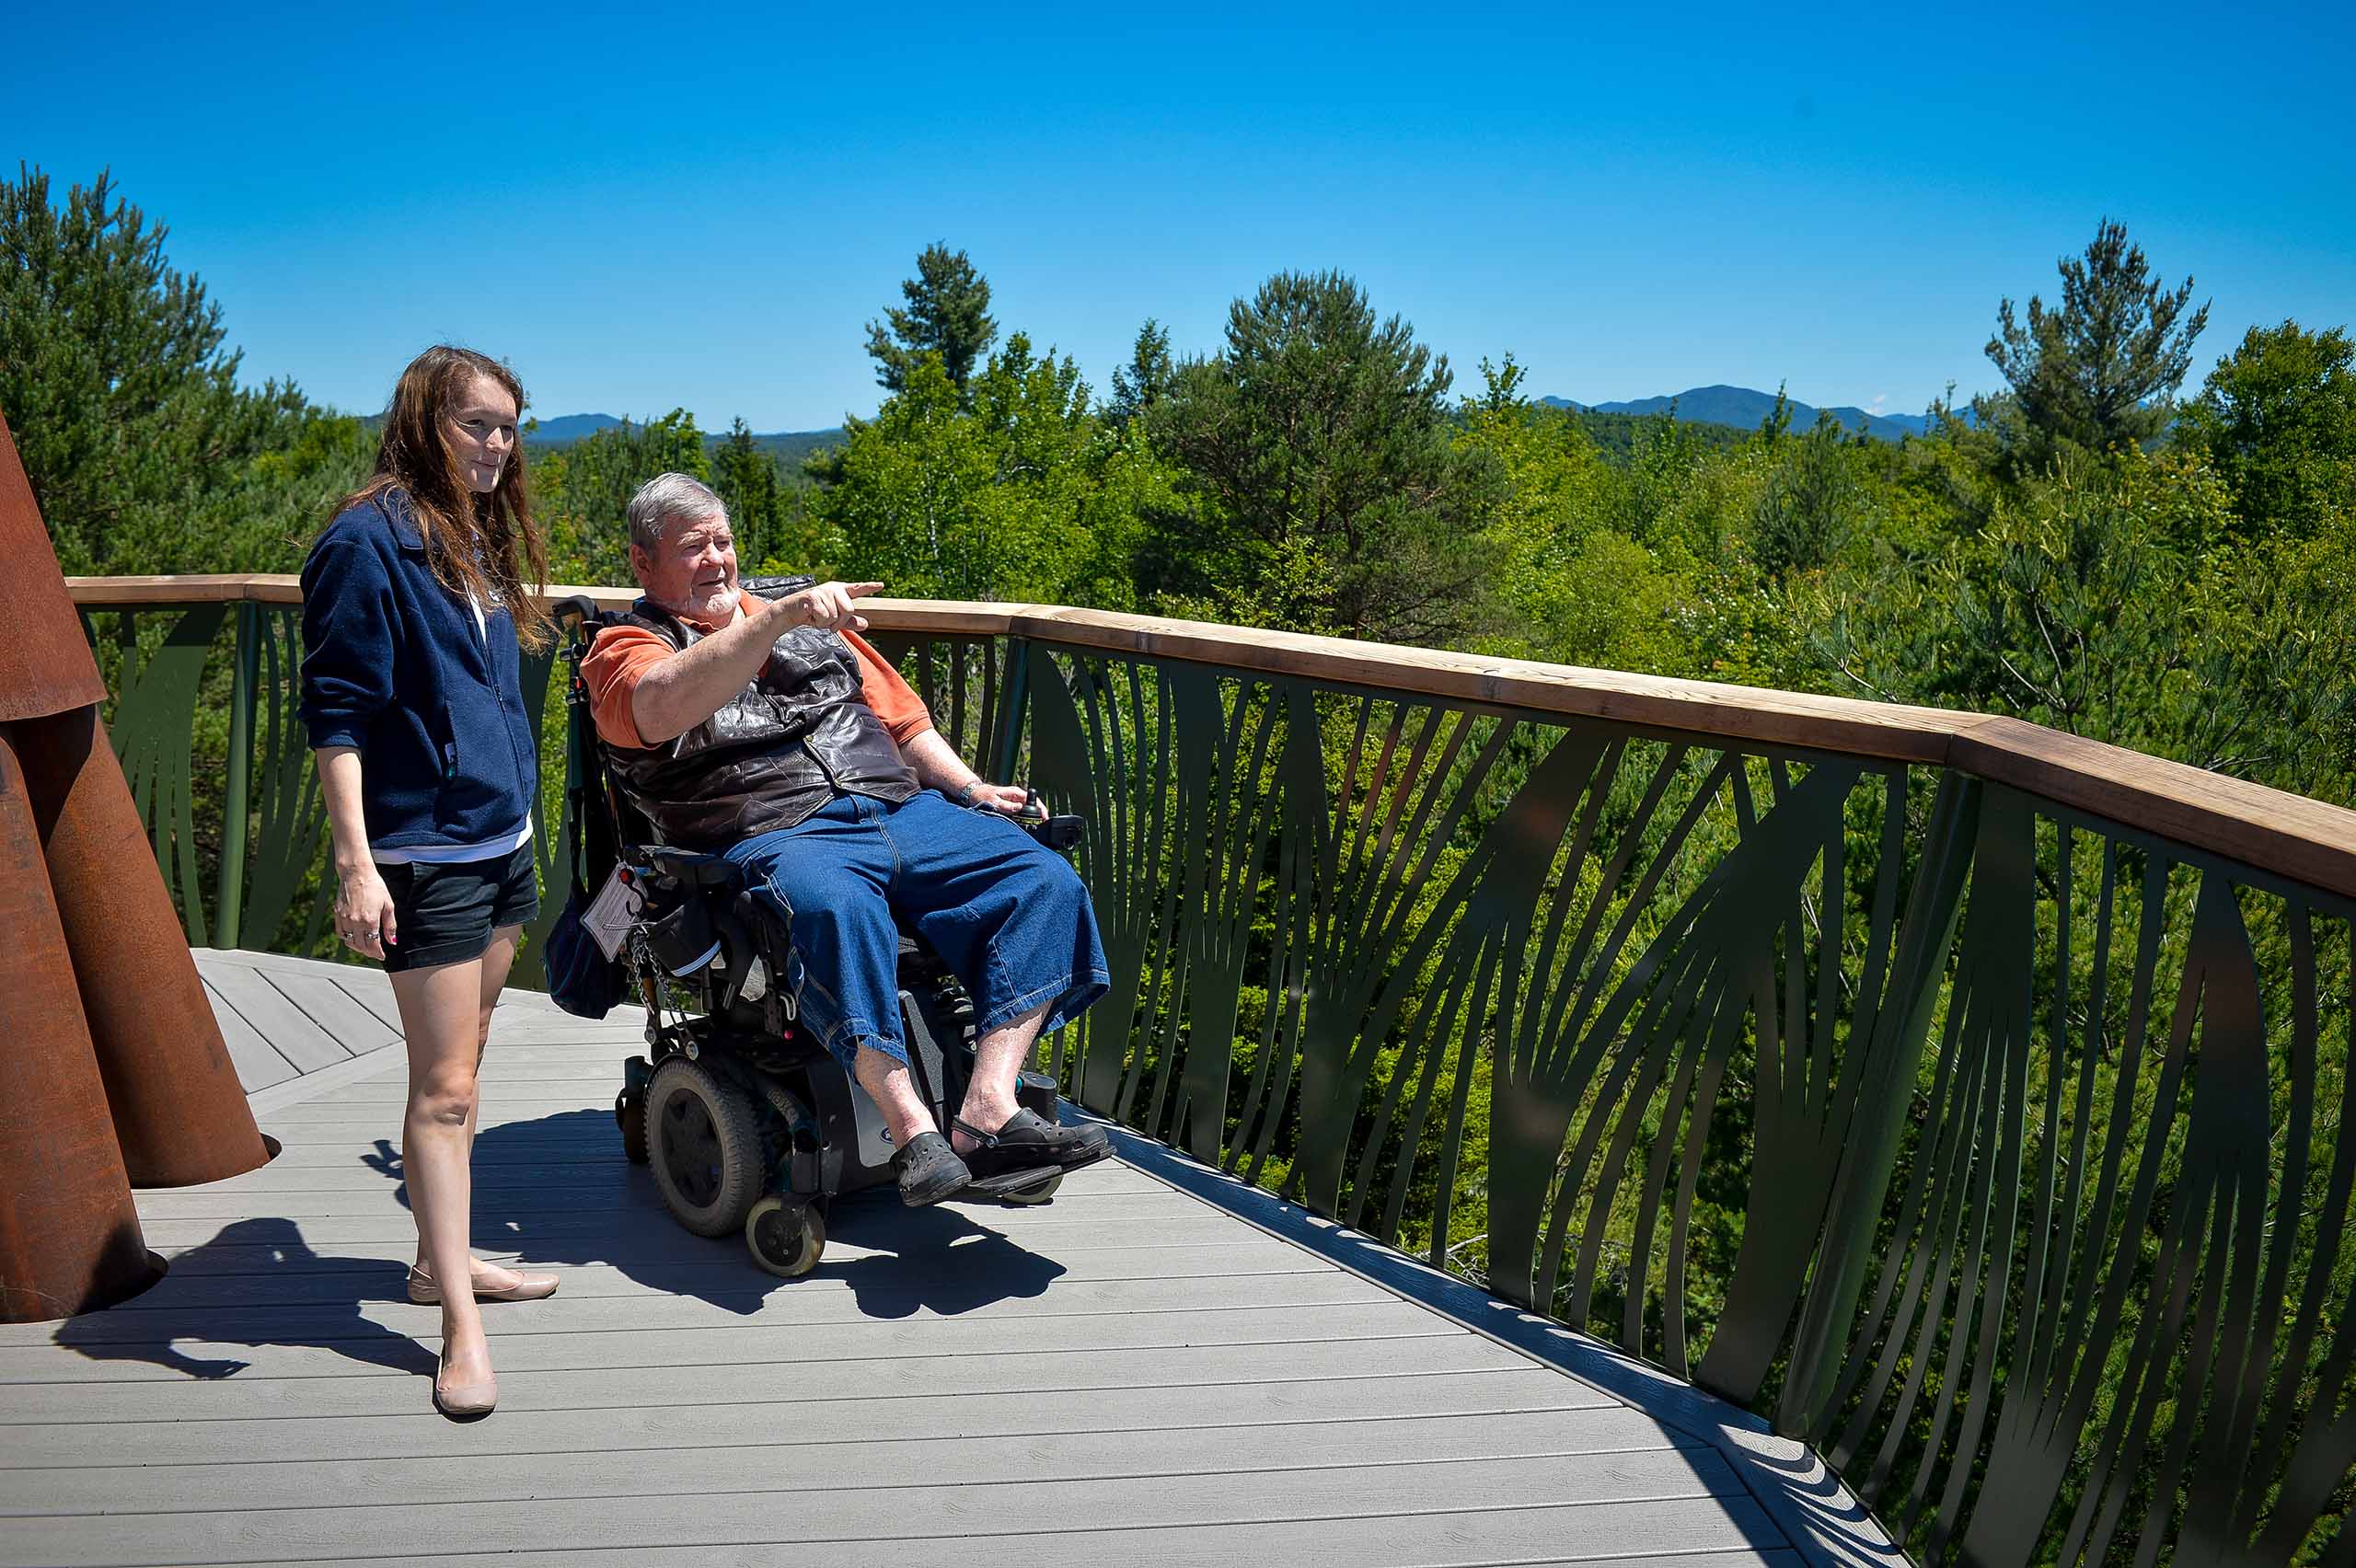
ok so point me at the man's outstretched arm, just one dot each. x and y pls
(686, 688)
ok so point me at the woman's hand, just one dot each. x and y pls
(363, 905)
(364, 912)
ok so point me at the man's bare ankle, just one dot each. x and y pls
(986, 1115)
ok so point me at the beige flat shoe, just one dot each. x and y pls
(464, 1401)
(528, 1287)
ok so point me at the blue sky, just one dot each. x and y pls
(641, 213)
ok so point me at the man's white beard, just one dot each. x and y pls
(713, 604)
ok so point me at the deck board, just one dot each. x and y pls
(1675, 1497)
(257, 1063)
(1130, 1370)
(291, 1031)
(334, 1009)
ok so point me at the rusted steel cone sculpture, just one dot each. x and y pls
(180, 1112)
(90, 916)
(69, 1236)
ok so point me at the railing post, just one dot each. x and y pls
(1010, 720)
(242, 681)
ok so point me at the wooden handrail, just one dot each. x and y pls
(2291, 836)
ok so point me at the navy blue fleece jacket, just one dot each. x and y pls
(395, 665)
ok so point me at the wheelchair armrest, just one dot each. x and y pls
(1061, 834)
(689, 866)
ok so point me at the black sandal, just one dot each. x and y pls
(1029, 1141)
(929, 1170)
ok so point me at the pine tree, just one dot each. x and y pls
(2098, 369)
(947, 314)
(1139, 385)
(1809, 508)
(1329, 491)
(583, 492)
(142, 450)
(746, 478)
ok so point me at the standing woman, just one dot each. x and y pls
(414, 599)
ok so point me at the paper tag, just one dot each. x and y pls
(611, 914)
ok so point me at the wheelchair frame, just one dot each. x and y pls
(745, 1119)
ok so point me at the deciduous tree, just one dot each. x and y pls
(1021, 495)
(2277, 420)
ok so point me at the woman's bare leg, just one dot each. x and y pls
(444, 1018)
(497, 960)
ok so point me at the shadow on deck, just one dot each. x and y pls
(1161, 1365)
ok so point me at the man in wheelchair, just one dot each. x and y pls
(764, 732)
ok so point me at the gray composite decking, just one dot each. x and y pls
(1159, 1367)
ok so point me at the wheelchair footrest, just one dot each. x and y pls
(1012, 1182)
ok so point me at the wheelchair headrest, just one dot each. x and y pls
(777, 587)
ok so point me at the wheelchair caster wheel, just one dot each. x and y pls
(1038, 1194)
(785, 1237)
(630, 1115)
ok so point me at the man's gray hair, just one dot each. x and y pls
(666, 499)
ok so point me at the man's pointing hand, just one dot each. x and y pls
(830, 606)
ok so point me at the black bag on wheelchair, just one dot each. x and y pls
(581, 979)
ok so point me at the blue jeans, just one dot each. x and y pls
(1008, 916)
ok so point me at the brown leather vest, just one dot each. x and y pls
(798, 735)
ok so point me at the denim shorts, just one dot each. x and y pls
(1008, 916)
(446, 914)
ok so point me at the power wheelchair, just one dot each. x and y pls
(743, 1117)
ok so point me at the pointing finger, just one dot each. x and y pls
(862, 590)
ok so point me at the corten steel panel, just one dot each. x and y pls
(179, 1111)
(69, 1236)
(45, 664)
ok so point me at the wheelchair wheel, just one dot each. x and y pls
(1029, 1196)
(703, 1144)
(785, 1237)
(630, 1115)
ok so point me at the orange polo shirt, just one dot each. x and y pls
(623, 654)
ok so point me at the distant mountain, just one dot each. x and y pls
(566, 429)
(1744, 408)
(788, 446)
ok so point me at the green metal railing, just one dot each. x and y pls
(204, 719)
(1964, 1099)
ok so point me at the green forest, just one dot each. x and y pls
(2104, 547)
(2144, 539)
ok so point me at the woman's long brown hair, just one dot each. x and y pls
(483, 547)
